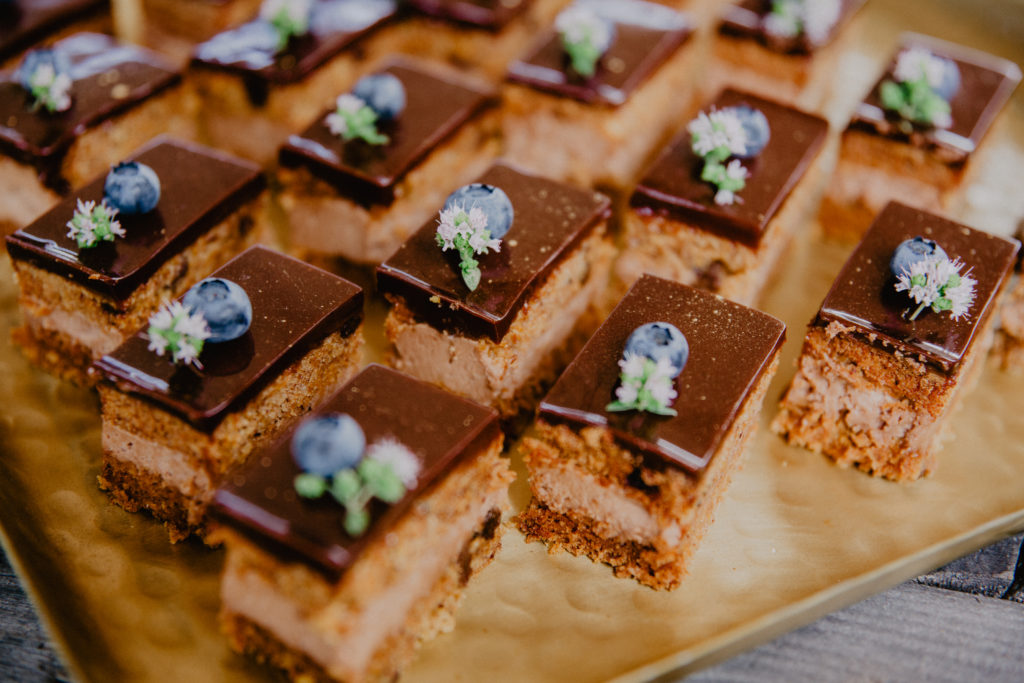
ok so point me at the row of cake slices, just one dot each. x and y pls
(593, 113)
(633, 446)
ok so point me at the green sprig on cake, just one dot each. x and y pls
(715, 137)
(921, 87)
(586, 37)
(93, 223)
(288, 17)
(654, 355)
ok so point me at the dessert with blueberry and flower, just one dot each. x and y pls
(637, 441)
(479, 36)
(71, 110)
(95, 267)
(28, 23)
(351, 539)
(718, 207)
(916, 136)
(898, 341)
(272, 76)
(786, 50)
(492, 297)
(218, 373)
(589, 102)
(374, 168)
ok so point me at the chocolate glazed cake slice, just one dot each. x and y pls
(637, 441)
(181, 405)
(350, 540)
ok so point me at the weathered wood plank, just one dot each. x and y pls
(25, 651)
(910, 633)
(990, 571)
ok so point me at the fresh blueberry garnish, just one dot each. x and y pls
(224, 304)
(34, 59)
(950, 82)
(383, 93)
(328, 443)
(660, 340)
(755, 125)
(491, 200)
(132, 188)
(911, 251)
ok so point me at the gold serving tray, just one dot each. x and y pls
(795, 537)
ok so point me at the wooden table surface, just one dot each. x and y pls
(962, 622)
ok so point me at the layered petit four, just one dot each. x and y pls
(68, 112)
(95, 267)
(638, 439)
(482, 36)
(492, 299)
(719, 206)
(350, 541)
(272, 76)
(24, 23)
(787, 50)
(898, 340)
(357, 187)
(915, 137)
(600, 90)
(218, 373)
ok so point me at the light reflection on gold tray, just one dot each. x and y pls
(795, 537)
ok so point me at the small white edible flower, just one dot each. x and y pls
(917, 62)
(177, 329)
(346, 103)
(472, 227)
(92, 223)
(578, 24)
(55, 87)
(401, 460)
(718, 128)
(632, 364)
(936, 281)
(295, 11)
(962, 296)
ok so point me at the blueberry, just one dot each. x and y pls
(33, 59)
(950, 82)
(132, 188)
(755, 124)
(911, 251)
(328, 443)
(383, 93)
(660, 340)
(224, 304)
(491, 200)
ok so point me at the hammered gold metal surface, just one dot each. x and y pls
(796, 536)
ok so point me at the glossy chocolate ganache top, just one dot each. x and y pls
(251, 49)
(672, 185)
(646, 35)
(199, 188)
(489, 14)
(864, 296)
(24, 22)
(550, 220)
(295, 306)
(731, 347)
(986, 83)
(745, 19)
(436, 107)
(440, 429)
(107, 78)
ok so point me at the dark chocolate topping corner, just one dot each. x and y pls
(864, 295)
(731, 347)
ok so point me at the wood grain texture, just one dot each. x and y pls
(25, 650)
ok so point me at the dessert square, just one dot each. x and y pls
(886, 156)
(79, 303)
(637, 489)
(121, 96)
(360, 201)
(600, 130)
(504, 342)
(787, 51)
(677, 227)
(255, 94)
(481, 36)
(171, 431)
(875, 386)
(302, 593)
(24, 23)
